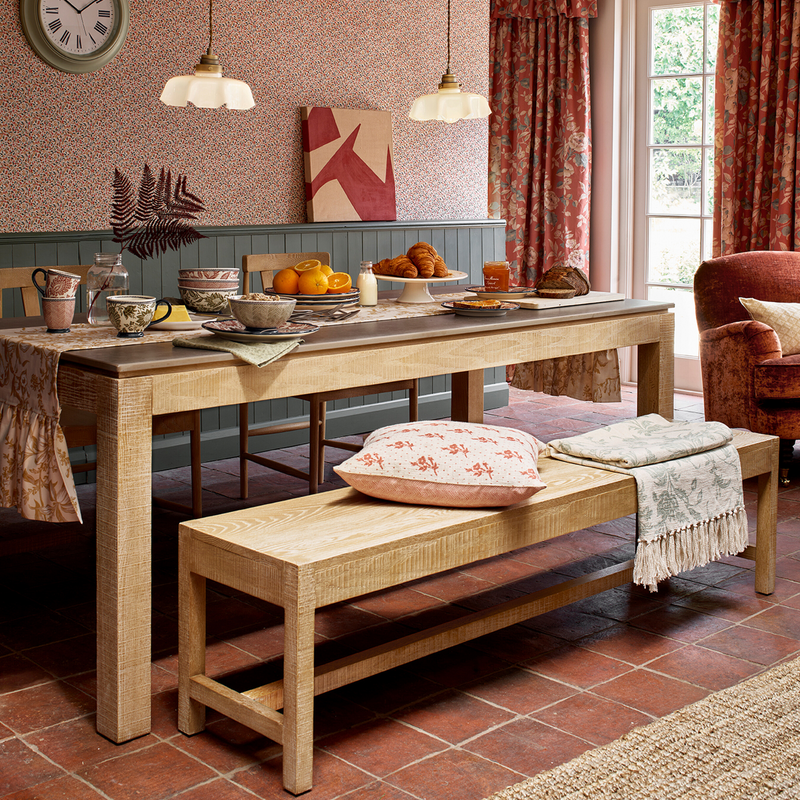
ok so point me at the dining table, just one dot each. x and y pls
(126, 386)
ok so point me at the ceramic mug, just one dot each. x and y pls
(58, 313)
(132, 314)
(57, 283)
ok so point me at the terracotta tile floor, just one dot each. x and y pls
(458, 725)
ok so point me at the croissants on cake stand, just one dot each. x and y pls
(416, 268)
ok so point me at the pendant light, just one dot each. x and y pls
(449, 103)
(207, 88)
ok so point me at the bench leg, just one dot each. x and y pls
(766, 532)
(191, 649)
(298, 685)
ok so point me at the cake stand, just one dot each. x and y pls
(416, 289)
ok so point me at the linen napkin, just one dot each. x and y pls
(689, 489)
(259, 353)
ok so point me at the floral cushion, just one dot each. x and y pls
(783, 318)
(455, 464)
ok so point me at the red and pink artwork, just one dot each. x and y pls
(348, 164)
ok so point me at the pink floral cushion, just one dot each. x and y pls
(457, 464)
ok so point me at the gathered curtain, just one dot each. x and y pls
(756, 178)
(540, 160)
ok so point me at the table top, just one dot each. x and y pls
(156, 356)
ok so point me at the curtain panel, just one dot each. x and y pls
(756, 181)
(540, 165)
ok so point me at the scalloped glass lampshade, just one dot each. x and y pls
(449, 105)
(207, 90)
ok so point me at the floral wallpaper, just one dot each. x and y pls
(63, 134)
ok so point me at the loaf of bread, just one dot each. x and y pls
(563, 277)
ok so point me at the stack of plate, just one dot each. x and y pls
(322, 302)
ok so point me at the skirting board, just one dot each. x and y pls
(555, 302)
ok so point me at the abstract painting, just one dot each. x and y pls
(348, 164)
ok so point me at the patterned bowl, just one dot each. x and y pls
(209, 274)
(197, 283)
(261, 311)
(207, 300)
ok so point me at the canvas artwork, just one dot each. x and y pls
(348, 164)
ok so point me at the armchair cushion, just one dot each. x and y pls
(778, 379)
(783, 318)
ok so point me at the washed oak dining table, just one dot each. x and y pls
(126, 386)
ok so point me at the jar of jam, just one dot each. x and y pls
(496, 276)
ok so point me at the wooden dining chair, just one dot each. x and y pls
(80, 427)
(267, 265)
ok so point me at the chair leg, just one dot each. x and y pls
(413, 402)
(316, 413)
(785, 450)
(243, 448)
(323, 419)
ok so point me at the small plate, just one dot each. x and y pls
(195, 323)
(234, 330)
(511, 294)
(482, 312)
(326, 306)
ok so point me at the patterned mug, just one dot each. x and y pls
(132, 314)
(58, 313)
(57, 283)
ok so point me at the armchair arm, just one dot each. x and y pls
(728, 356)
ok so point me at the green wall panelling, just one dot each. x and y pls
(464, 245)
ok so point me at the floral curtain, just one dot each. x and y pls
(756, 180)
(540, 164)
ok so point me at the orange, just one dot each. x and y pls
(285, 281)
(305, 266)
(326, 270)
(339, 282)
(313, 282)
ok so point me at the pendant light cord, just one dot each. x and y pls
(448, 35)
(211, 23)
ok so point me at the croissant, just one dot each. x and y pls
(423, 255)
(440, 268)
(401, 267)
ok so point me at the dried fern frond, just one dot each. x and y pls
(157, 220)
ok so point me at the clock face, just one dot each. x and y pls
(79, 27)
(75, 35)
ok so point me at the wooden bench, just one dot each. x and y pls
(308, 552)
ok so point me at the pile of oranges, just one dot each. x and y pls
(311, 277)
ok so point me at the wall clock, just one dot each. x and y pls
(75, 35)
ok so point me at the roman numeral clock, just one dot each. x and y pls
(75, 35)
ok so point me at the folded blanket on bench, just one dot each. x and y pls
(688, 484)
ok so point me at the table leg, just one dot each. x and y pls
(466, 396)
(656, 372)
(124, 442)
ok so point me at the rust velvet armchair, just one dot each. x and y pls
(749, 381)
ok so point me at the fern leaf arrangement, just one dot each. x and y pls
(157, 217)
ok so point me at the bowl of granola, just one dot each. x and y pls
(258, 311)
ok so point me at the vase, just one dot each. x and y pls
(106, 277)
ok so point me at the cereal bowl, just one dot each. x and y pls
(261, 311)
(208, 301)
(216, 284)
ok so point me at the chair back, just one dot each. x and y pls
(20, 278)
(269, 263)
(765, 275)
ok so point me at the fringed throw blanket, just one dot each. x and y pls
(689, 489)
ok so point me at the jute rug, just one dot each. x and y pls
(743, 742)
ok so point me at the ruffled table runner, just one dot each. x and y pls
(35, 473)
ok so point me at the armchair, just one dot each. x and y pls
(747, 380)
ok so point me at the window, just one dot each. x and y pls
(674, 142)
